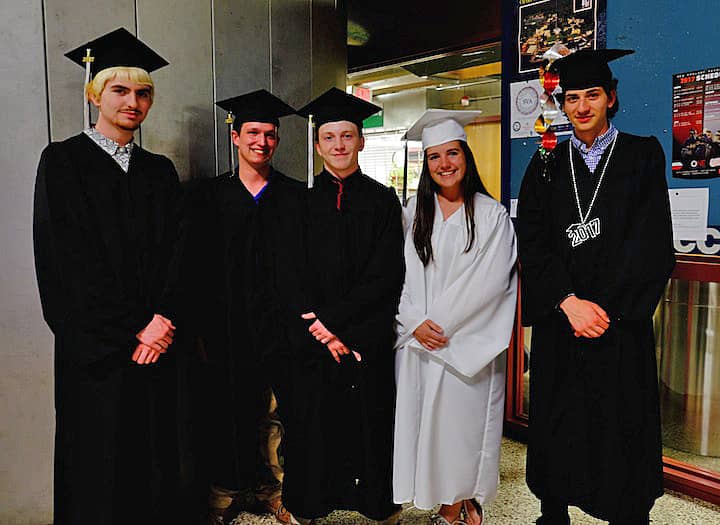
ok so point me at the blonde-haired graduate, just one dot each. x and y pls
(454, 323)
(105, 235)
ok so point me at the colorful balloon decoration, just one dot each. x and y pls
(549, 81)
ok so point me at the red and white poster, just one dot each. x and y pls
(696, 124)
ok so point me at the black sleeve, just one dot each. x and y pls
(544, 278)
(382, 278)
(199, 267)
(169, 304)
(646, 257)
(80, 298)
(286, 287)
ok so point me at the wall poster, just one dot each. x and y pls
(696, 124)
(579, 24)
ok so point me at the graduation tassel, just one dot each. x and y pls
(88, 59)
(310, 165)
(231, 158)
(405, 169)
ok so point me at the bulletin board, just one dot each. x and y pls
(665, 89)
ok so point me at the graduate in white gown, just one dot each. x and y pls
(454, 323)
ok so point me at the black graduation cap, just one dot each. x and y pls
(586, 68)
(335, 105)
(258, 106)
(117, 48)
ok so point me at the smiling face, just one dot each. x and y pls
(447, 165)
(256, 143)
(587, 111)
(122, 107)
(339, 144)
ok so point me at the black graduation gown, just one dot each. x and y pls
(241, 265)
(104, 242)
(339, 417)
(594, 437)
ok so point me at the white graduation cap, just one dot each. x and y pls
(438, 126)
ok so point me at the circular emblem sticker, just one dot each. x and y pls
(527, 100)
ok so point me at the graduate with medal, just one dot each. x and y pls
(595, 252)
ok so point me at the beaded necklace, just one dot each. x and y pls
(580, 232)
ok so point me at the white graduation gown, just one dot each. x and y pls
(449, 409)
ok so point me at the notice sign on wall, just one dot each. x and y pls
(689, 210)
(525, 109)
(696, 124)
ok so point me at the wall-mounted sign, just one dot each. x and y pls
(689, 210)
(525, 109)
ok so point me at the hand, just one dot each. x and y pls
(586, 318)
(144, 355)
(430, 335)
(337, 348)
(158, 334)
(317, 329)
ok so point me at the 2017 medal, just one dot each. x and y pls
(579, 232)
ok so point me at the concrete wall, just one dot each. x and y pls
(216, 49)
(26, 381)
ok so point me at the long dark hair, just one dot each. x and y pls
(425, 209)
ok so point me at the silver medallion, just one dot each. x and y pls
(584, 230)
(580, 232)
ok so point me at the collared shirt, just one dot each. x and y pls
(592, 155)
(120, 154)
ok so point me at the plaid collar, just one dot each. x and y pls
(591, 155)
(599, 144)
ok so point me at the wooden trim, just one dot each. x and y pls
(691, 480)
(486, 120)
(515, 368)
(689, 268)
(700, 257)
(511, 374)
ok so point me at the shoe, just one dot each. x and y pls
(393, 519)
(476, 505)
(544, 520)
(438, 519)
(221, 505)
(280, 513)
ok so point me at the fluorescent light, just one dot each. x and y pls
(466, 84)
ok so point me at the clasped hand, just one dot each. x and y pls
(430, 335)
(326, 337)
(586, 318)
(154, 339)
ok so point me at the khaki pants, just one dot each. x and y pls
(271, 432)
(270, 472)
